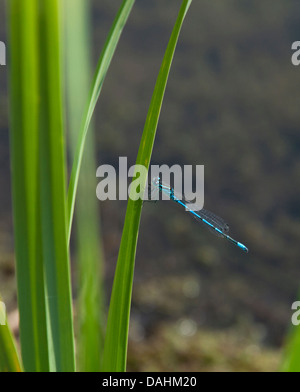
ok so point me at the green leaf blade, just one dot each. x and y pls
(100, 74)
(9, 358)
(24, 93)
(115, 348)
(88, 244)
(53, 192)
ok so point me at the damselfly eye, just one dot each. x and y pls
(156, 180)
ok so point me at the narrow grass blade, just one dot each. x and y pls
(291, 356)
(291, 362)
(24, 96)
(9, 359)
(102, 68)
(53, 190)
(89, 257)
(115, 349)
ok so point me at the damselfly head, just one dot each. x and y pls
(156, 181)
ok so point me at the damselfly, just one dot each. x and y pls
(213, 222)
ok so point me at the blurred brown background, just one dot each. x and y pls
(232, 104)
